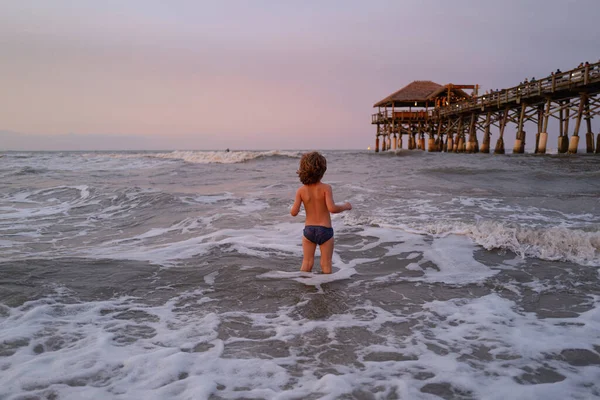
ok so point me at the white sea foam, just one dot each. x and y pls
(446, 259)
(209, 198)
(546, 243)
(210, 278)
(26, 206)
(555, 243)
(222, 157)
(480, 346)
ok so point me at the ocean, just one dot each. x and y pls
(175, 275)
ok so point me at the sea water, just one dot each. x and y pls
(175, 275)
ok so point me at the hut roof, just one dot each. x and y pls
(415, 91)
(418, 92)
(456, 91)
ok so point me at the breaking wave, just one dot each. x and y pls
(552, 243)
(223, 157)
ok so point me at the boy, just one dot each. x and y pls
(317, 198)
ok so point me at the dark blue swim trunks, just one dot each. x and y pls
(318, 234)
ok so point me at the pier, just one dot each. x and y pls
(452, 118)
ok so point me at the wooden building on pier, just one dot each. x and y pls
(411, 111)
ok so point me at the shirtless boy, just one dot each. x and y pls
(317, 198)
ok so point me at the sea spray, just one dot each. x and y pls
(223, 157)
(581, 246)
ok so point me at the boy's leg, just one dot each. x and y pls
(326, 255)
(308, 248)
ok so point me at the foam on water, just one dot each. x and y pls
(474, 348)
(544, 242)
(222, 157)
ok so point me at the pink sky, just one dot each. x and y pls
(260, 74)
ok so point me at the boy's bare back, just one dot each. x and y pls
(318, 203)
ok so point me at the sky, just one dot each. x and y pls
(146, 74)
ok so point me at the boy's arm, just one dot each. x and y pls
(297, 202)
(331, 206)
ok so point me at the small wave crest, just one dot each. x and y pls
(30, 171)
(546, 243)
(223, 157)
(552, 243)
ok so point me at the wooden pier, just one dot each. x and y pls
(451, 118)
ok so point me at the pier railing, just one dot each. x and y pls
(555, 83)
(385, 116)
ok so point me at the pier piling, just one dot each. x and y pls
(519, 139)
(574, 142)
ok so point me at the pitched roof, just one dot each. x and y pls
(457, 92)
(415, 91)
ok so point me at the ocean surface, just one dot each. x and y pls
(175, 275)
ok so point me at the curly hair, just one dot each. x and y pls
(312, 167)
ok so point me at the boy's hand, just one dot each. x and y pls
(348, 206)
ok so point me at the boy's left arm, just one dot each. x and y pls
(297, 202)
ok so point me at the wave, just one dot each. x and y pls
(223, 157)
(30, 171)
(551, 243)
(545, 243)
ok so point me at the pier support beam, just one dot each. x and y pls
(540, 124)
(500, 143)
(563, 138)
(377, 139)
(574, 142)
(589, 136)
(543, 139)
(485, 146)
(589, 142)
(542, 143)
(460, 148)
(459, 142)
(470, 145)
(520, 138)
(439, 140)
(386, 137)
(451, 137)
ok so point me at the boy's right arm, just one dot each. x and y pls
(331, 206)
(297, 202)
